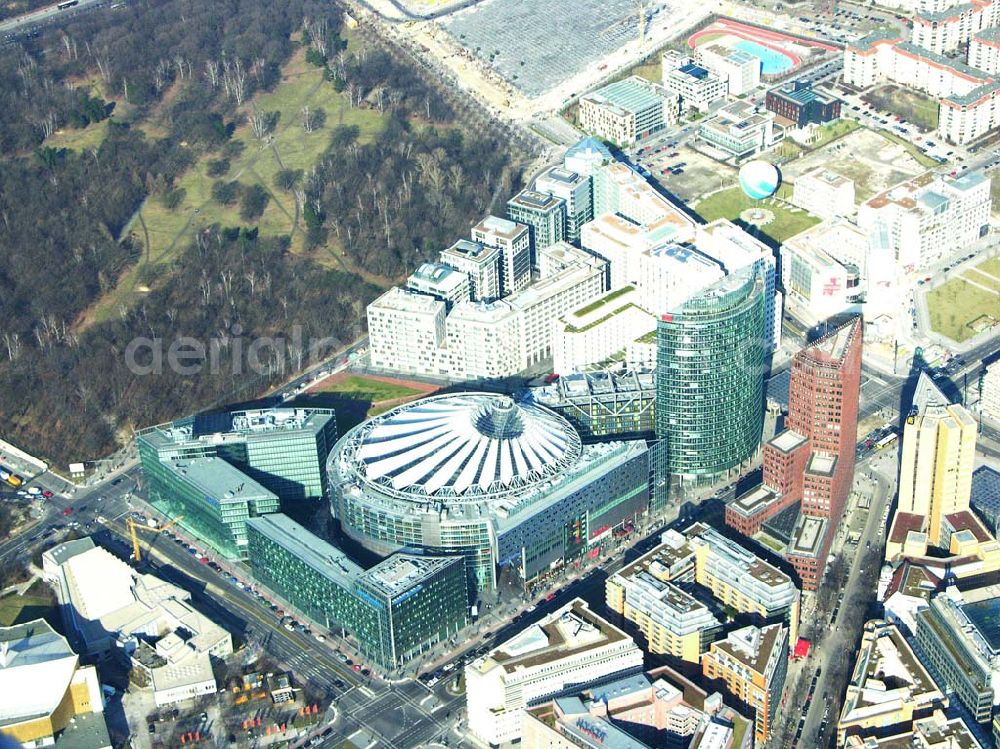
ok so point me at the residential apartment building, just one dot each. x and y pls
(741, 70)
(414, 334)
(513, 240)
(571, 646)
(697, 86)
(958, 638)
(928, 217)
(801, 104)
(49, 697)
(934, 732)
(740, 130)
(938, 457)
(544, 213)
(984, 50)
(647, 592)
(628, 111)
(575, 191)
(598, 330)
(480, 263)
(752, 663)
(824, 193)
(968, 106)
(442, 282)
(396, 611)
(871, 710)
(947, 29)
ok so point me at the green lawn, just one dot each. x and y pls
(36, 603)
(79, 140)
(832, 131)
(953, 306)
(366, 388)
(991, 266)
(788, 220)
(167, 232)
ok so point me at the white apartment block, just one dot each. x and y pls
(627, 111)
(480, 263)
(947, 29)
(514, 242)
(441, 282)
(928, 217)
(968, 106)
(739, 69)
(984, 51)
(405, 329)
(572, 646)
(412, 333)
(697, 86)
(824, 193)
(592, 333)
(989, 399)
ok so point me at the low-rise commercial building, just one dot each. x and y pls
(752, 662)
(824, 193)
(889, 689)
(935, 732)
(628, 111)
(48, 697)
(801, 104)
(697, 86)
(107, 605)
(572, 646)
(660, 708)
(396, 611)
(740, 130)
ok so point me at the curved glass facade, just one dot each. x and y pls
(710, 379)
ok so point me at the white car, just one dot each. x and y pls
(34, 491)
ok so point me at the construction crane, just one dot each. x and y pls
(134, 526)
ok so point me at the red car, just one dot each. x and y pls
(68, 511)
(46, 493)
(357, 667)
(203, 560)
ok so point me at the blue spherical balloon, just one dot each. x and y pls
(758, 179)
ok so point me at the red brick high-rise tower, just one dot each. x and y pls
(812, 460)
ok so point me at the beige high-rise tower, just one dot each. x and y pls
(939, 449)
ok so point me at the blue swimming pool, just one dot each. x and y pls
(772, 61)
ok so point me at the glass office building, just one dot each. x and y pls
(604, 405)
(210, 498)
(262, 458)
(395, 611)
(710, 380)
